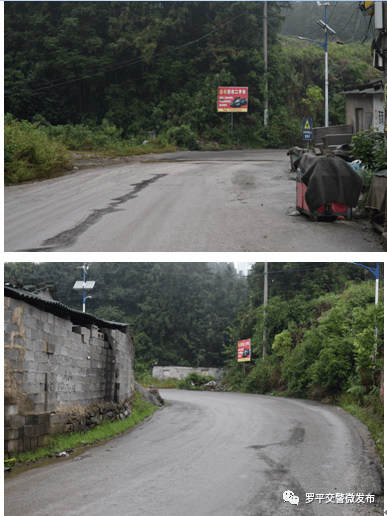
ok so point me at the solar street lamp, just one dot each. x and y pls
(325, 26)
(375, 271)
(84, 285)
(327, 29)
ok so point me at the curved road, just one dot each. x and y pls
(238, 201)
(210, 454)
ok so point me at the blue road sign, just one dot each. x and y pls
(307, 126)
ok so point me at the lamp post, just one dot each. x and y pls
(84, 300)
(266, 107)
(84, 285)
(325, 47)
(375, 272)
(265, 297)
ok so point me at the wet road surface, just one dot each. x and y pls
(210, 454)
(190, 201)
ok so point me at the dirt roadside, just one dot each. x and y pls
(83, 160)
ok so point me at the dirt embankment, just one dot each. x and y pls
(82, 160)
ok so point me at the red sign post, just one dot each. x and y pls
(244, 350)
(233, 99)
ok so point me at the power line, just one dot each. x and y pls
(353, 6)
(310, 269)
(333, 10)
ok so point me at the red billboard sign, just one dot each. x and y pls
(233, 99)
(244, 350)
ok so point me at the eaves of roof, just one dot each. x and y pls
(60, 310)
(370, 91)
(369, 87)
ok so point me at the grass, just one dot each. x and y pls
(39, 150)
(59, 443)
(146, 380)
(372, 417)
(29, 154)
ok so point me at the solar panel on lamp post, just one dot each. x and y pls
(84, 285)
(327, 29)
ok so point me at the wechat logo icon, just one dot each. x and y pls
(290, 497)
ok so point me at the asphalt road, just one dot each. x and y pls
(190, 201)
(210, 454)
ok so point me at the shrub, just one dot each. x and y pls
(194, 380)
(371, 150)
(263, 377)
(283, 130)
(30, 154)
(183, 136)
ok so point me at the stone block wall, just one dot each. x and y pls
(165, 372)
(50, 363)
(25, 432)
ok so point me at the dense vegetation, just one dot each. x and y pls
(180, 311)
(317, 347)
(321, 320)
(93, 74)
(35, 150)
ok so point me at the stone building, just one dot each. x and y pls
(364, 106)
(57, 358)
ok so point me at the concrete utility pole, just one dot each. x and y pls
(326, 72)
(265, 296)
(266, 105)
(379, 11)
(385, 67)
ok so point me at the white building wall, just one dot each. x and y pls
(163, 373)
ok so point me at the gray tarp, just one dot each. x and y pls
(329, 179)
(377, 196)
(306, 161)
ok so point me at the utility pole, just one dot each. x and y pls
(326, 72)
(265, 296)
(266, 104)
(385, 67)
(379, 45)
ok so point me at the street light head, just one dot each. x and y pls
(320, 4)
(326, 26)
